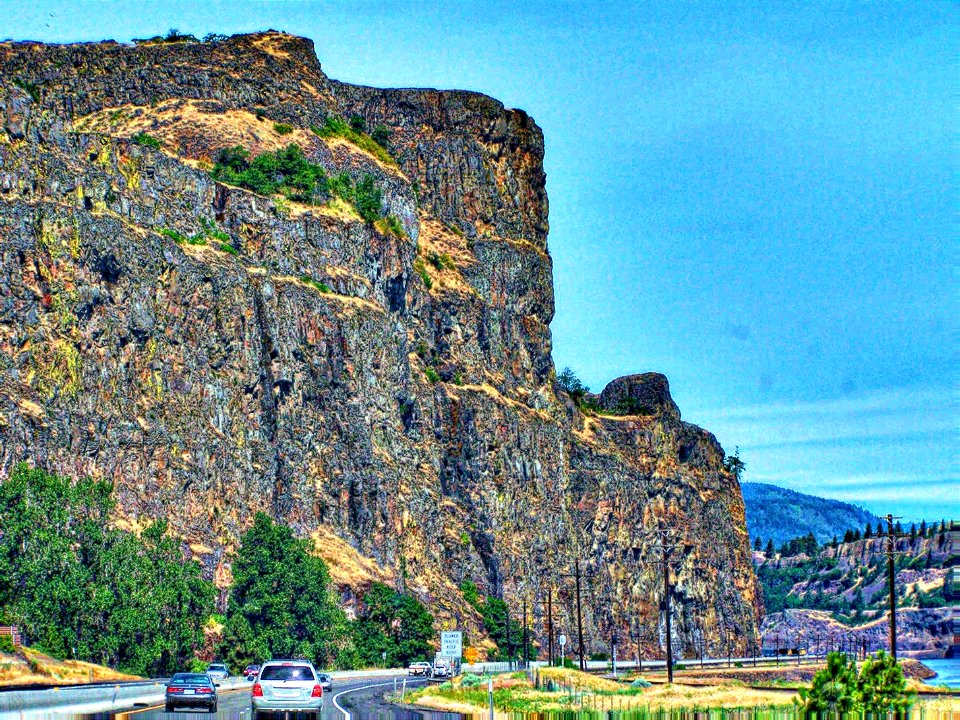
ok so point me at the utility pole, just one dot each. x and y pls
(583, 659)
(550, 625)
(524, 651)
(666, 550)
(891, 579)
(509, 642)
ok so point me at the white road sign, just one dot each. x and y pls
(563, 640)
(451, 644)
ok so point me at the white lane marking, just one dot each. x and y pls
(339, 707)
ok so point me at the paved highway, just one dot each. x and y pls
(361, 698)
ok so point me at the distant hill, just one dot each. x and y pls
(781, 514)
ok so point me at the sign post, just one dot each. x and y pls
(563, 645)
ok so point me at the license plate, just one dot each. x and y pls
(189, 692)
(286, 692)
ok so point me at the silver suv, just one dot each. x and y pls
(287, 685)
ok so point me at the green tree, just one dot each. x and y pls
(882, 686)
(571, 384)
(757, 544)
(395, 624)
(282, 603)
(770, 550)
(834, 688)
(734, 464)
(80, 588)
(868, 533)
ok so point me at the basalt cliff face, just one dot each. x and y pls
(416, 433)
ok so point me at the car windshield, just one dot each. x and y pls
(189, 679)
(287, 672)
(217, 667)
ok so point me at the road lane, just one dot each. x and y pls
(362, 697)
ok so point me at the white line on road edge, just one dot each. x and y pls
(339, 707)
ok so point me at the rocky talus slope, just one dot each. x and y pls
(416, 433)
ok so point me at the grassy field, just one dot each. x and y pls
(558, 690)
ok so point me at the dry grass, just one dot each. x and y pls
(439, 245)
(579, 679)
(193, 128)
(45, 670)
(348, 568)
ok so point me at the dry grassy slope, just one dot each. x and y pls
(29, 667)
(209, 386)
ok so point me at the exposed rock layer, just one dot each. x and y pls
(209, 385)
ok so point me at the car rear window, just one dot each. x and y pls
(287, 672)
(190, 679)
(217, 667)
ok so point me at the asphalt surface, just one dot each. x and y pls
(362, 698)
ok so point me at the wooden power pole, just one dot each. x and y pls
(891, 580)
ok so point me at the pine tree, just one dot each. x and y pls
(856, 534)
(868, 533)
(848, 536)
(770, 550)
(834, 543)
(757, 544)
(913, 531)
(923, 528)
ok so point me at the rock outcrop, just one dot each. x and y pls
(390, 394)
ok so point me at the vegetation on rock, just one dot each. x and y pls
(353, 132)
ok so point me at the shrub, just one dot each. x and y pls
(390, 225)
(432, 375)
(570, 383)
(6, 644)
(282, 128)
(322, 287)
(147, 140)
(286, 171)
(368, 199)
(381, 136)
(640, 683)
(358, 124)
(421, 270)
(471, 680)
(28, 87)
(228, 248)
(336, 127)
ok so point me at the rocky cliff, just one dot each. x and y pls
(388, 392)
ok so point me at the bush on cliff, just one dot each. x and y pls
(282, 602)
(286, 171)
(353, 132)
(80, 588)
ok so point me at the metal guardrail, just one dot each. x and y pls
(89, 699)
(12, 631)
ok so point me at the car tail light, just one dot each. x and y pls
(257, 690)
(317, 691)
(174, 690)
(205, 691)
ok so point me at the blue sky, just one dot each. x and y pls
(757, 199)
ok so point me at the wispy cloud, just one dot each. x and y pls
(888, 451)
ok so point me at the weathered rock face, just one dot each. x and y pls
(209, 383)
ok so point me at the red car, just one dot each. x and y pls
(250, 672)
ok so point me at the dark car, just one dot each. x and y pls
(250, 672)
(326, 682)
(195, 690)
